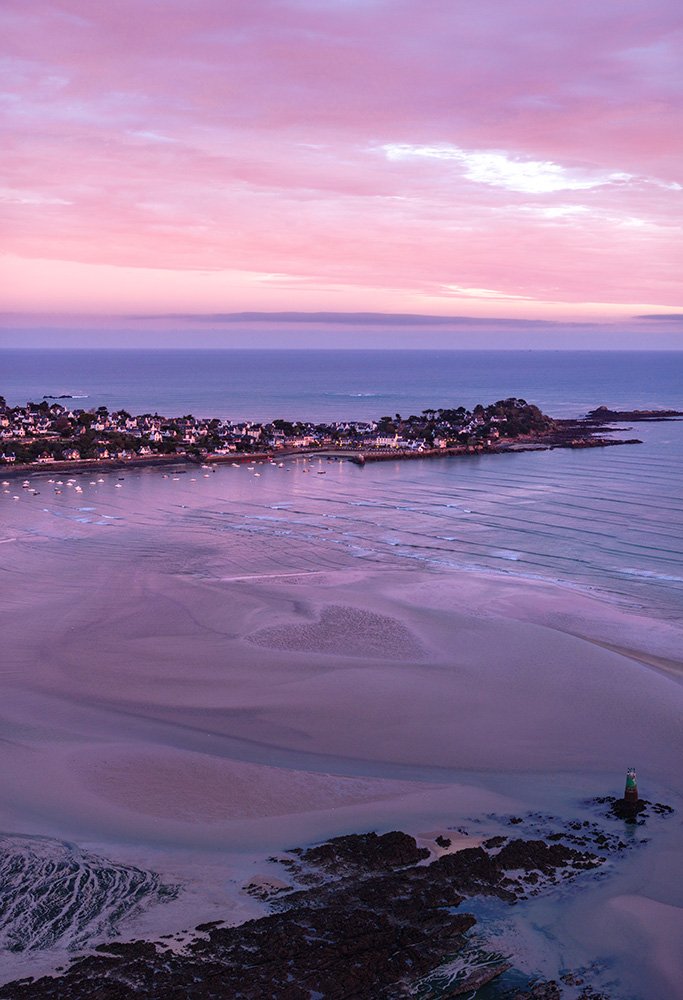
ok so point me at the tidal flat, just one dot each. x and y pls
(187, 697)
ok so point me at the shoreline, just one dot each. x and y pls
(357, 457)
(609, 596)
(149, 461)
(54, 437)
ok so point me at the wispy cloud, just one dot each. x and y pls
(310, 156)
(16, 196)
(343, 318)
(664, 317)
(500, 169)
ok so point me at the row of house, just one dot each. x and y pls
(43, 432)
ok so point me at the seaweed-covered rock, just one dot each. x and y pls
(370, 934)
(366, 852)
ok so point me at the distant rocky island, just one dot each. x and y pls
(603, 415)
(45, 433)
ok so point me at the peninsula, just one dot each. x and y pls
(45, 433)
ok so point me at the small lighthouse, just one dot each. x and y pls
(631, 790)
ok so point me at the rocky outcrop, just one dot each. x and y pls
(632, 812)
(604, 415)
(365, 852)
(373, 932)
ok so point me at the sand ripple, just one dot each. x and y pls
(196, 788)
(345, 631)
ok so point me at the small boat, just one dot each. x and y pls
(119, 486)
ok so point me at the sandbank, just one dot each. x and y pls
(165, 716)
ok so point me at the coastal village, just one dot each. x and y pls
(52, 431)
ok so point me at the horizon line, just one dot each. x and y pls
(358, 350)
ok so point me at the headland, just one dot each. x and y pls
(52, 435)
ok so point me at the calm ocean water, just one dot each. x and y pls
(608, 519)
(319, 385)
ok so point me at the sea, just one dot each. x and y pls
(605, 520)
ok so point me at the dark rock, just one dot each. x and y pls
(494, 842)
(366, 852)
(628, 811)
(541, 991)
(478, 978)
(603, 414)
(536, 854)
(442, 841)
(371, 934)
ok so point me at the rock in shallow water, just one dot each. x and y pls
(372, 934)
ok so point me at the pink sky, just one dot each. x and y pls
(500, 158)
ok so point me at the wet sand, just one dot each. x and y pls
(165, 705)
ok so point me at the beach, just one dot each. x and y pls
(192, 703)
(341, 642)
